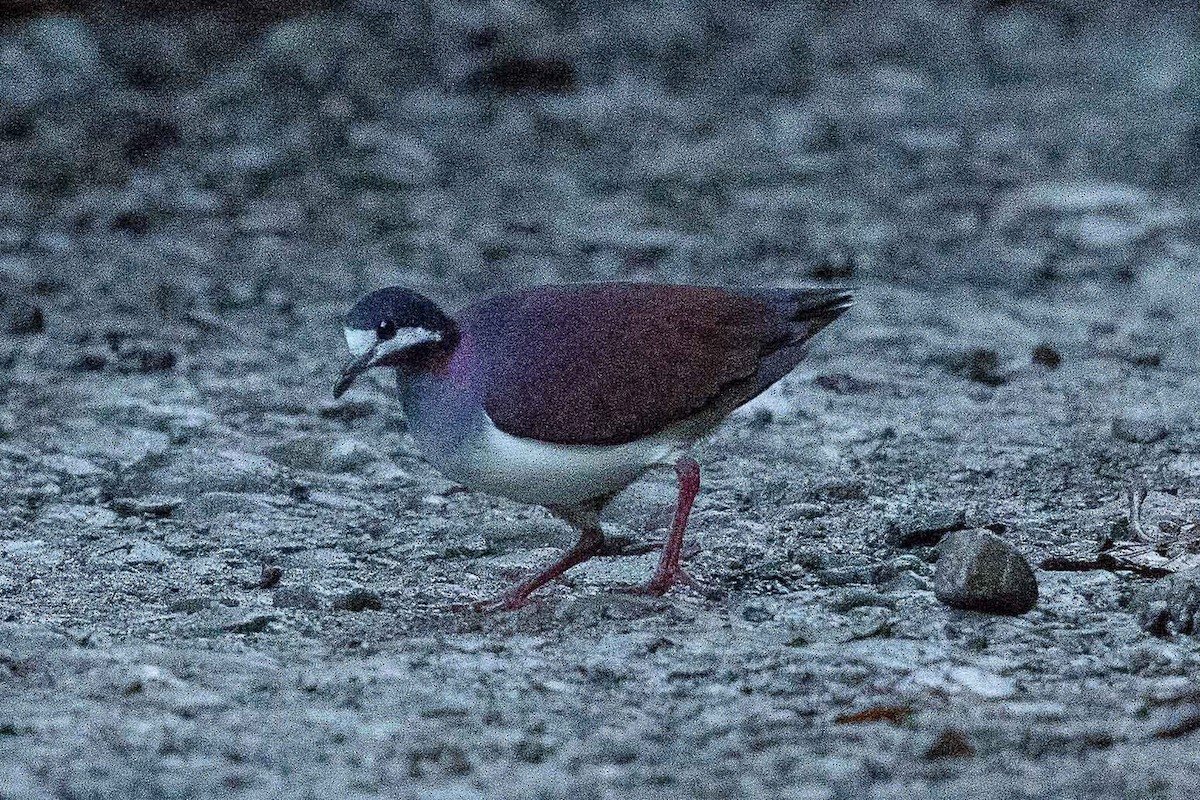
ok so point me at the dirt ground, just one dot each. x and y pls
(187, 205)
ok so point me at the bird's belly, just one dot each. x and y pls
(533, 471)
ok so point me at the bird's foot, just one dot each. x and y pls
(509, 601)
(662, 582)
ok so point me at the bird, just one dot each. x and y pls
(563, 395)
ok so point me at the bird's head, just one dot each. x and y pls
(396, 328)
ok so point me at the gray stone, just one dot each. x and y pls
(323, 453)
(1171, 605)
(152, 505)
(19, 316)
(192, 472)
(1140, 425)
(295, 598)
(979, 571)
(141, 552)
(359, 599)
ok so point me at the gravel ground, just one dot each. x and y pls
(187, 204)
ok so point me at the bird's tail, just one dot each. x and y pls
(809, 310)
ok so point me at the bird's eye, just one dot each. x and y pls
(385, 330)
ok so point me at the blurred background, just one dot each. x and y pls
(210, 152)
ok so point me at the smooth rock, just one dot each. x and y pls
(1171, 605)
(20, 317)
(192, 472)
(141, 552)
(151, 505)
(1140, 426)
(359, 599)
(295, 598)
(979, 571)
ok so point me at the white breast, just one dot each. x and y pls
(531, 471)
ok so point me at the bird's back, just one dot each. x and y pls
(606, 364)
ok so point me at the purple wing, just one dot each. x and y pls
(610, 363)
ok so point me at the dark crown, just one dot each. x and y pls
(399, 308)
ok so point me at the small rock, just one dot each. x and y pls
(359, 599)
(92, 359)
(190, 605)
(1047, 355)
(842, 489)
(20, 317)
(322, 453)
(859, 598)
(145, 553)
(757, 613)
(979, 571)
(1140, 426)
(254, 624)
(532, 74)
(144, 357)
(951, 744)
(215, 504)
(1176, 719)
(191, 472)
(295, 598)
(1171, 605)
(270, 576)
(153, 505)
(842, 383)
(71, 465)
(981, 365)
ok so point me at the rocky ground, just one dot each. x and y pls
(217, 581)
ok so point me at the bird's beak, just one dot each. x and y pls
(354, 367)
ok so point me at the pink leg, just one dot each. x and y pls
(591, 541)
(669, 571)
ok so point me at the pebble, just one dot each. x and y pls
(141, 552)
(295, 598)
(981, 365)
(1047, 355)
(270, 576)
(71, 465)
(359, 599)
(979, 571)
(1098, 232)
(191, 472)
(322, 453)
(1140, 425)
(20, 317)
(1171, 605)
(152, 505)
(951, 743)
(190, 605)
(8, 423)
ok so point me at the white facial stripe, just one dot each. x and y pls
(404, 338)
(358, 341)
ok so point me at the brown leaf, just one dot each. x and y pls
(951, 744)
